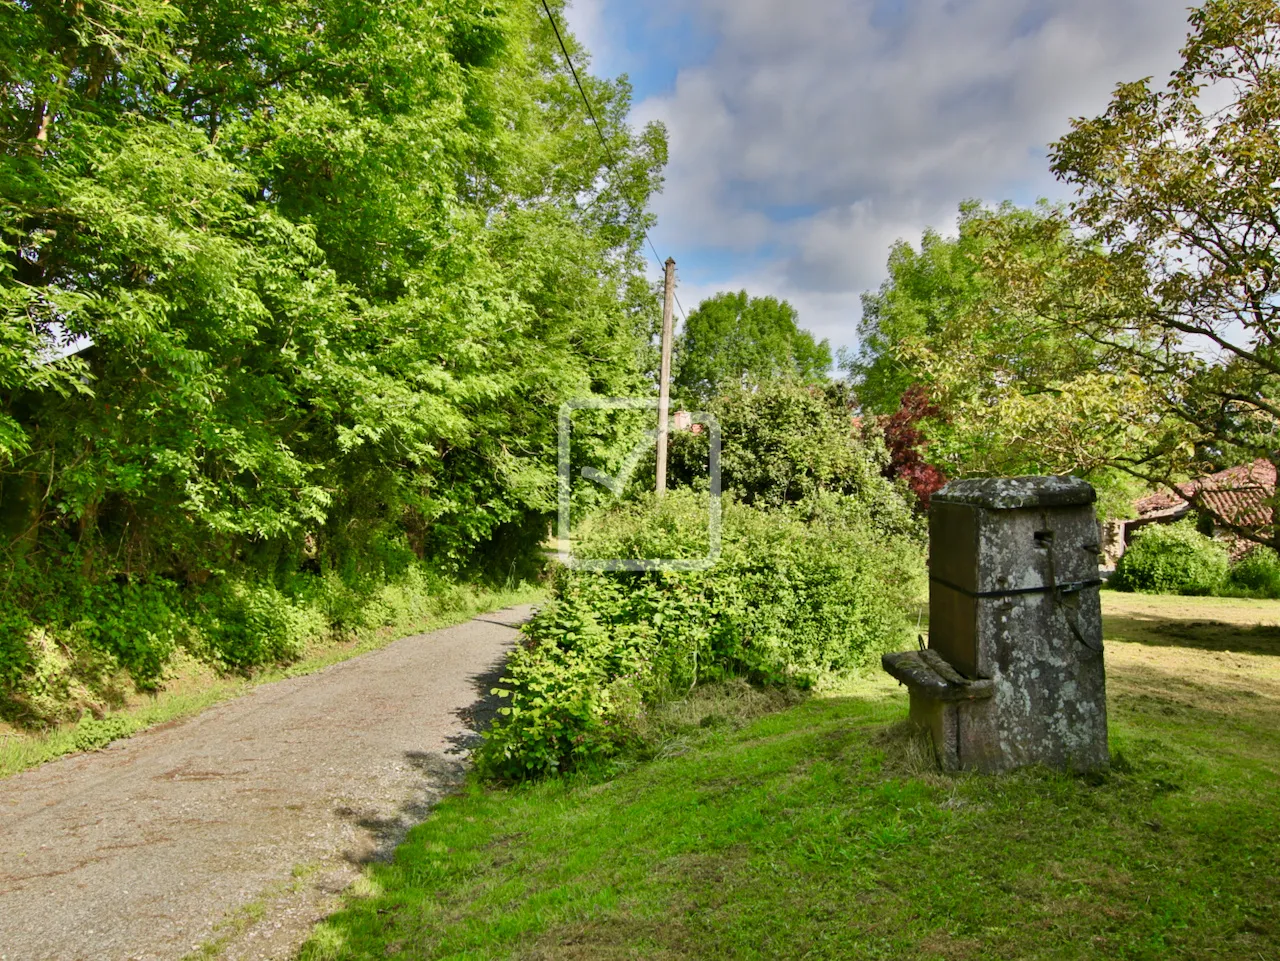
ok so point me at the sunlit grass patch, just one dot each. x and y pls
(823, 830)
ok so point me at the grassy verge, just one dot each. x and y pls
(822, 831)
(193, 686)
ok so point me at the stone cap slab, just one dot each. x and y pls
(1010, 493)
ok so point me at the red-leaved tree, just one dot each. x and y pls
(905, 441)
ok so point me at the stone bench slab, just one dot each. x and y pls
(928, 674)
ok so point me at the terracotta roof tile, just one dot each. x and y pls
(1239, 495)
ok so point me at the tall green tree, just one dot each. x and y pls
(339, 261)
(1013, 391)
(1174, 266)
(732, 339)
(943, 299)
(925, 293)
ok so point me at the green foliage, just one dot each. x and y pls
(797, 595)
(940, 319)
(926, 293)
(65, 640)
(92, 733)
(137, 624)
(246, 625)
(1018, 393)
(67, 646)
(1172, 559)
(284, 282)
(783, 443)
(416, 602)
(1175, 245)
(821, 557)
(1256, 574)
(732, 340)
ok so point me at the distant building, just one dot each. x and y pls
(1241, 495)
(683, 420)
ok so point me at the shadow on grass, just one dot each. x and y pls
(480, 713)
(1237, 710)
(1206, 635)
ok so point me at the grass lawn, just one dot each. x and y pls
(822, 831)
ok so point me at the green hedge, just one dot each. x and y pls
(1256, 574)
(1172, 559)
(68, 646)
(797, 594)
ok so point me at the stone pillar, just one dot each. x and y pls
(1014, 671)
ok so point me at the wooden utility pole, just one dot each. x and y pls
(664, 384)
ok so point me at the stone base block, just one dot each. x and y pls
(984, 724)
(963, 733)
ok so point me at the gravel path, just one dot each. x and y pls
(238, 828)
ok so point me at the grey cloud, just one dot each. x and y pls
(883, 116)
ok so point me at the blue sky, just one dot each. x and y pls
(808, 135)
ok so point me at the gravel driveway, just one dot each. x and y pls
(236, 829)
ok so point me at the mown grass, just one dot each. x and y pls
(192, 686)
(822, 831)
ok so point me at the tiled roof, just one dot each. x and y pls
(1238, 495)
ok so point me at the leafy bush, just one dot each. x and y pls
(797, 594)
(1172, 559)
(67, 643)
(245, 625)
(68, 646)
(784, 443)
(137, 624)
(92, 733)
(1257, 574)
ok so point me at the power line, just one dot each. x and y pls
(608, 153)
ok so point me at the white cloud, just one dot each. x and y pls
(586, 20)
(822, 130)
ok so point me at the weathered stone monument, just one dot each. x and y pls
(1013, 673)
